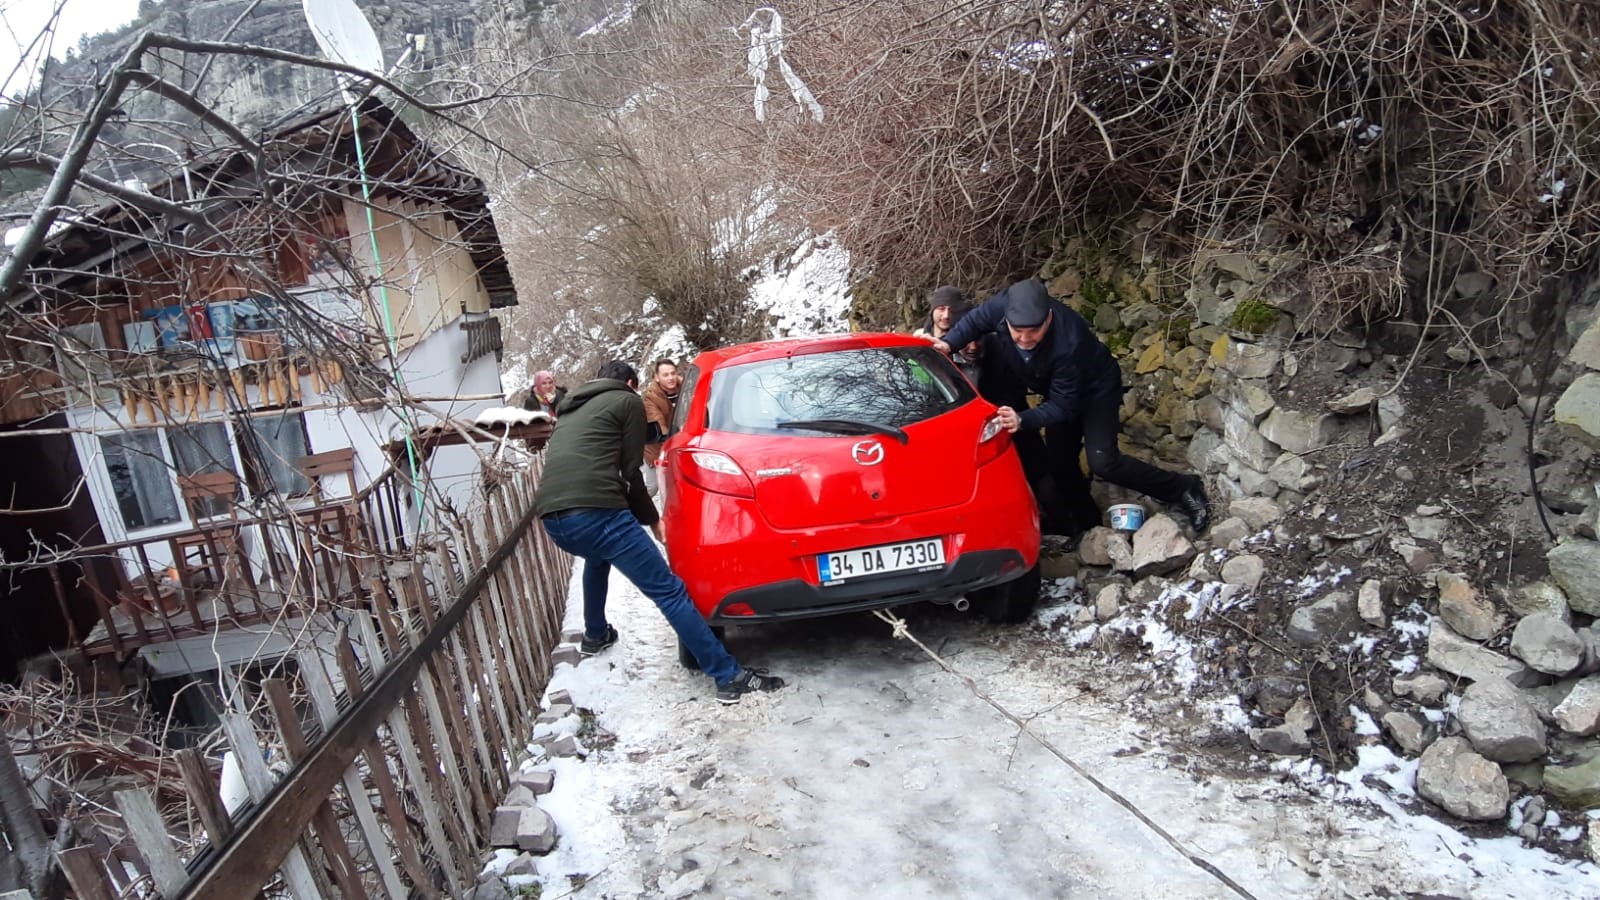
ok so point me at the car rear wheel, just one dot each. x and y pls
(686, 658)
(1012, 602)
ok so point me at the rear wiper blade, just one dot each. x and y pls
(848, 426)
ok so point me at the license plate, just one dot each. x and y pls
(911, 556)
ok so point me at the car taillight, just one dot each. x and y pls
(715, 472)
(992, 440)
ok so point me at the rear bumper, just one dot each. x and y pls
(798, 599)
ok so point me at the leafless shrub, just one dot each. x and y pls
(1348, 136)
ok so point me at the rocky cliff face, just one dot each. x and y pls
(250, 92)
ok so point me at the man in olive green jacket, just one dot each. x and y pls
(592, 501)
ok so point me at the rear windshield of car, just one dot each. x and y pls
(889, 386)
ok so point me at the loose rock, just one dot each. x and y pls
(1330, 618)
(1579, 713)
(1540, 597)
(1257, 512)
(1501, 724)
(1547, 644)
(1245, 571)
(538, 781)
(1462, 782)
(1108, 602)
(1450, 652)
(536, 831)
(1424, 687)
(1358, 400)
(1230, 531)
(1092, 549)
(1284, 740)
(1409, 730)
(1369, 603)
(1575, 567)
(1464, 609)
(1159, 547)
(1120, 548)
(1575, 786)
(1298, 432)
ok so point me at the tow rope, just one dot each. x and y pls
(903, 632)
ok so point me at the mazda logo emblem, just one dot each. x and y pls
(867, 453)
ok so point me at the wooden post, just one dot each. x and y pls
(85, 875)
(149, 834)
(258, 779)
(197, 781)
(21, 821)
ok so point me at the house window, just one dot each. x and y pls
(202, 449)
(277, 443)
(140, 478)
(80, 357)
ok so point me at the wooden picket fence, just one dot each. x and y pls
(399, 739)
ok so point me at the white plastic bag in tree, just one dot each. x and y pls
(766, 44)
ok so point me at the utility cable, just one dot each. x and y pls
(388, 320)
(902, 631)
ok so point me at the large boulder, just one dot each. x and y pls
(1462, 782)
(1575, 566)
(1547, 644)
(1501, 724)
(1465, 610)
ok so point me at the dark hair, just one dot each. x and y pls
(618, 370)
(655, 367)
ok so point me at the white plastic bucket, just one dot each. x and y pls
(1126, 516)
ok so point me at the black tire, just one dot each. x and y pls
(1012, 602)
(686, 658)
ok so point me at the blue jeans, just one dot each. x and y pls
(613, 537)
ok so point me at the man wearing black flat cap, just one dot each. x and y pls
(1043, 347)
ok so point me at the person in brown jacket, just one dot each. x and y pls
(660, 400)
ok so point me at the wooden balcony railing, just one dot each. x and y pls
(230, 572)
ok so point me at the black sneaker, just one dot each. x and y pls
(747, 681)
(1194, 504)
(590, 646)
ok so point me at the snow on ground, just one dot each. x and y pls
(878, 773)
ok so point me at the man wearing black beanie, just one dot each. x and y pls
(1047, 349)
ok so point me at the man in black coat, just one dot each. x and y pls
(1047, 349)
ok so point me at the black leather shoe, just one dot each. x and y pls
(1194, 504)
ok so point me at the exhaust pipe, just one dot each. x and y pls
(962, 604)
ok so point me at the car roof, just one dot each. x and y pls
(778, 349)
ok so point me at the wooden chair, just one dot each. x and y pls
(330, 464)
(205, 551)
(332, 520)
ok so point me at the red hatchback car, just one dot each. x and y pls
(824, 475)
